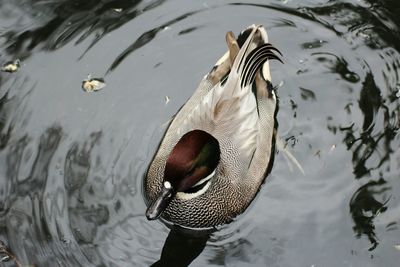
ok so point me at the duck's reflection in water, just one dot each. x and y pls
(181, 247)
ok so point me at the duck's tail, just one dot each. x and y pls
(253, 53)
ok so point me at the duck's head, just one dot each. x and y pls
(189, 167)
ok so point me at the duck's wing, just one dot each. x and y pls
(229, 110)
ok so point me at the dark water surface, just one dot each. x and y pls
(71, 163)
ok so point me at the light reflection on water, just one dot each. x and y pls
(72, 163)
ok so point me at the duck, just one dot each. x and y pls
(219, 147)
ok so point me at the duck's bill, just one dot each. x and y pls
(160, 203)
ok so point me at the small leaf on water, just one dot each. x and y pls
(93, 84)
(11, 66)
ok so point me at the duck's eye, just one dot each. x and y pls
(191, 171)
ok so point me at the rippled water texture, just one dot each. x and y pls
(71, 162)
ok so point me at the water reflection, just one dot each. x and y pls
(372, 142)
(28, 212)
(70, 195)
(77, 163)
(61, 21)
(4, 132)
(34, 183)
(365, 207)
(339, 65)
(371, 146)
(147, 37)
(374, 137)
(181, 248)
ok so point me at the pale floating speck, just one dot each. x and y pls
(11, 66)
(117, 9)
(279, 85)
(397, 247)
(398, 90)
(166, 99)
(93, 84)
(332, 148)
(302, 61)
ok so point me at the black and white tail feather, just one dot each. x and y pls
(250, 61)
(253, 53)
(255, 59)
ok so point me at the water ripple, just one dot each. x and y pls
(62, 21)
(72, 164)
(146, 37)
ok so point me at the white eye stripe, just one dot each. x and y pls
(187, 196)
(205, 179)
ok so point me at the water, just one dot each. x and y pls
(71, 163)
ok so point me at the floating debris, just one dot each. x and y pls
(11, 66)
(117, 9)
(290, 159)
(166, 99)
(279, 85)
(93, 84)
(333, 147)
(302, 61)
